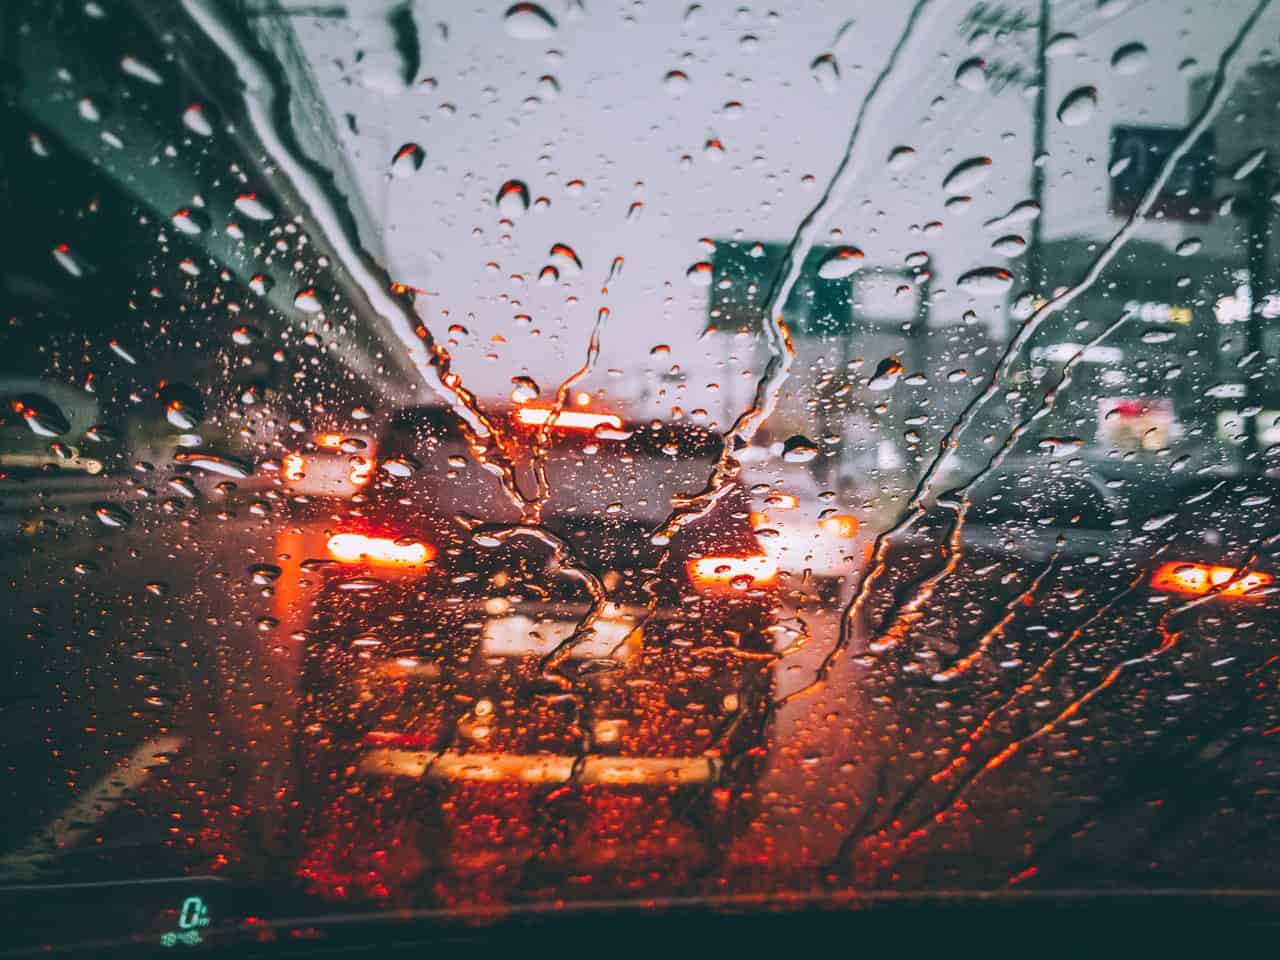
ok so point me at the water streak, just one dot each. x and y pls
(778, 339)
(887, 638)
(430, 358)
(1224, 77)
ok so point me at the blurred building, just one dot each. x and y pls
(1154, 388)
(1174, 379)
(880, 369)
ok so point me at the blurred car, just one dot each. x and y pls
(42, 428)
(1047, 534)
(53, 455)
(1026, 513)
(456, 653)
(951, 577)
(1225, 542)
(798, 521)
(329, 464)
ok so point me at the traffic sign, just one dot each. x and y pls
(1140, 153)
(818, 307)
(741, 274)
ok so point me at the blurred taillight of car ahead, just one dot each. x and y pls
(375, 551)
(568, 419)
(821, 547)
(734, 573)
(838, 526)
(1197, 579)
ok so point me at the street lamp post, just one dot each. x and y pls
(1259, 239)
(1035, 257)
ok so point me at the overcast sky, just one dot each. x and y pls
(483, 115)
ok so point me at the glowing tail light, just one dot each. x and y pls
(293, 466)
(740, 572)
(568, 419)
(1197, 579)
(330, 441)
(840, 525)
(379, 551)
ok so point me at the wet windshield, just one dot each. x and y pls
(463, 460)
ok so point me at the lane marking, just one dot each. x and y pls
(96, 884)
(95, 804)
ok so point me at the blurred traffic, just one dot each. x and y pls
(443, 483)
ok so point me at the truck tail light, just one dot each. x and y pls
(568, 419)
(379, 551)
(1197, 579)
(738, 572)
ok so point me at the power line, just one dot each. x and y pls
(1101, 23)
(940, 77)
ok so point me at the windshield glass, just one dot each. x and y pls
(471, 459)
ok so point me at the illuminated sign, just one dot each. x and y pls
(361, 468)
(1065, 352)
(1236, 309)
(1136, 423)
(1231, 427)
(1268, 423)
(1153, 312)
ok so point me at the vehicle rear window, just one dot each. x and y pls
(413, 429)
(1058, 502)
(417, 430)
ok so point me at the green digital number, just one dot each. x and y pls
(193, 914)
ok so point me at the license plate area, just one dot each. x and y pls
(517, 635)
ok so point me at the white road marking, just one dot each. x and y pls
(95, 804)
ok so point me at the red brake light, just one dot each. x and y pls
(740, 572)
(330, 441)
(568, 419)
(1197, 579)
(379, 551)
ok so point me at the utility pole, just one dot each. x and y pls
(1259, 224)
(917, 360)
(1247, 143)
(1007, 72)
(1035, 257)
